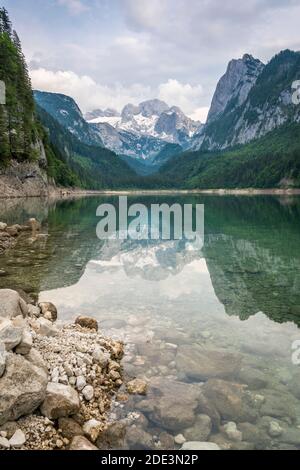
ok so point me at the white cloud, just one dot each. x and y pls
(87, 93)
(91, 95)
(185, 96)
(200, 114)
(74, 6)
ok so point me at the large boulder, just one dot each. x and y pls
(61, 401)
(231, 400)
(199, 364)
(22, 388)
(11, 304)
(171, 405)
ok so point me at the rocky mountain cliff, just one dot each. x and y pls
(251, 100)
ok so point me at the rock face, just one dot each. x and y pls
(236, 84)
(11, 304)
(61, 401)
(22, 388)
(198, 364)
(251, 100)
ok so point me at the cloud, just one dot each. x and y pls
(200, 114)
(86, 92)
(75, 7)
(185, 95)
(91, 95)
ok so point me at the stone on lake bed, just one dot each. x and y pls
(100, 356)
(200, 446)
(61, 401)
(275, 430)
(70, 428)
(3, 226)
(137, 387)
(179, 439)
(4, 443)
(201, 429)
(232, 432)
(87, 322)
(199, 364)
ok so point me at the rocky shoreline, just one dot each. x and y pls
(57, 380)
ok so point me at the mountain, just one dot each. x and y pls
(251, 100)
(143, 131)
(67, 113)
(72, 162)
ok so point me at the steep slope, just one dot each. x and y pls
(88, 166)
(251, 100)
(67, 113)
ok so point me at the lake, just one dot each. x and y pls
(211, 330)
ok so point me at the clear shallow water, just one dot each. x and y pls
(219, 322)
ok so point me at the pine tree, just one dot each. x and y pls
(5, 23)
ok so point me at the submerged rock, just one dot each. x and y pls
(201, 429)
(230, 400)
(200, 446)
(200, 364)
(137, 387)
(171, 405)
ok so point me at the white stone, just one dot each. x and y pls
(4, 443)
(200, 446)
(80, 383)
(88, 393)
(275, 430)
(179, 439)
(18, 439)
(3, 226)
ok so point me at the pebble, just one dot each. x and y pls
(4, 443)
(88, 392)
(179, 439)
(80, 383)
(275, 430)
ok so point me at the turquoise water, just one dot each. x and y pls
(190, 318)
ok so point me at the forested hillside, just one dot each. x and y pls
(270, 162)
(18, 131)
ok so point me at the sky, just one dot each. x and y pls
(107, 53)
